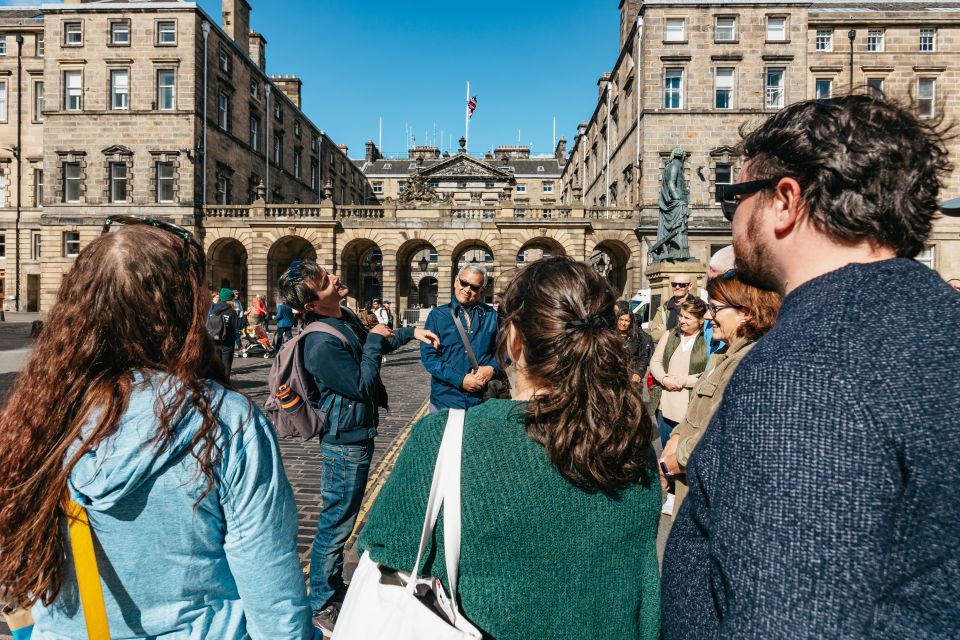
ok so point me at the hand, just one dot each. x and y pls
(427, 337)
(470, 383)
(382, 330)
(669, 456)
(484, 375)
(635, 378)
(670, 384)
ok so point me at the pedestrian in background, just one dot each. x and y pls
(638, 344)
(227, 346)
(284, 319)
(386, 308)
(825, 496)
(381, 313)
(193, 518)
(559, 492)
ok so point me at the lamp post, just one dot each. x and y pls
(852, 35)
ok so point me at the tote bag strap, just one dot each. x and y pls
(88, 577)
(445, 491)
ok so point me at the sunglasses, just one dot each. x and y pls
(152, 222)
(729, 194)
(476, 288)
(714, 308)
(679, 285)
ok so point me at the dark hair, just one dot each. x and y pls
(622, 308)
(695, 307)
(69, 380)
(591, 418)
(297, 283)
(869, 169)
(760, 305)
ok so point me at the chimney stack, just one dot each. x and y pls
(236, 21)
(373, 153)
(603, 82)
(258, 50)
(290, 86)
(561, 151)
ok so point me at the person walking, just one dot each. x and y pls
(347, 382)
(192, 515)
(558, 482)
(260, 315)
(226, 346)
(284, 319)
(741, 314)
(466, 326)
(381, 313)
(825, 496)
(638, 344)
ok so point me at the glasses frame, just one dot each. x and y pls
(716, 308)
(680, 285)
(476, 288)
(729, 194)
(125, 219)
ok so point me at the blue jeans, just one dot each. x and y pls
(283, 334)
(343, 479)
(665, 427)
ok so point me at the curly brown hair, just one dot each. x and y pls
(590, 416)
(134, 300)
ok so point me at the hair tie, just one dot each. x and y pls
(589, 322)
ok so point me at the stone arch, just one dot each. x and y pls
(417, 259)
(227, 265)
(361, 267)
(281, 253)
(611, 258)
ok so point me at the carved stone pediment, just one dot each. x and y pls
(460, 166)
(117, 150)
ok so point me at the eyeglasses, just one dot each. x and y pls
(152, 222)
(476, 288)
(716, 308)
(679, 285)
(728, 194)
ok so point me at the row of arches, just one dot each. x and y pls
(414, 275)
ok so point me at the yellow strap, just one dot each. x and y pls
(88, 578)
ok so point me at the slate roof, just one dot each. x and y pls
(406, 166)
(12, 15)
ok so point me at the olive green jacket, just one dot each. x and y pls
(704, 400)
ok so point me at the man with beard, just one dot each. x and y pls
(825, 495)
(347, 378)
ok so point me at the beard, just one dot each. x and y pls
(753, 263)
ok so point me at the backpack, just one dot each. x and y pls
(288, 404)
(220, 328)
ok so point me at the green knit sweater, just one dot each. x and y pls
(539, 557)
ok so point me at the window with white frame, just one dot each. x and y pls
(378, 187)
(875, 40)
(725, 29)
(673, 88)
(776, 28)
(223, 111)
(928, 40)
(120, 89)
(71, 244)
(36, 246)
(296, 128)
(73, 90)
(824, 40)
(72, 34)
(278, 150)
(723, 88)
(926, 257)
(38, 101)
(3, 44)
(38, 187)
(166, 89)
(774, 88)
(521, 188)
(722, 174)
(3, 246)
(120, 33)
(167, 32)
(875, 86)
(823, 88)
(3, 100)
(254, 88)
(224, 61)
(548, 187)
(675, 30)
(38, 42)
(165, 182)
(71, 182)
(277, 110)
(927, 97)
(297, 169)
(254, 139)
(118, 182)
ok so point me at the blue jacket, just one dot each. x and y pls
(449, 364)
(348, 378)
(284, 316)
(227, 569)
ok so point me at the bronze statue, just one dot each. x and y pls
(672, 245)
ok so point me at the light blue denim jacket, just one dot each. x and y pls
(226, 570)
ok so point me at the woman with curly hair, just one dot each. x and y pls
(129, 415)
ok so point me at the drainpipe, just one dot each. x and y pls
(267, 141)
(205, 28)
(19, 154)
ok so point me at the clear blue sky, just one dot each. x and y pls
(527, 61)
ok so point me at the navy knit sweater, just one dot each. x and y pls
(825, 496)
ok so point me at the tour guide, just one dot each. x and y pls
(454, 383)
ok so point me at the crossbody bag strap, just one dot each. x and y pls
(88, 577)
(466, 341)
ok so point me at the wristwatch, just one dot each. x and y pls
(663, 467)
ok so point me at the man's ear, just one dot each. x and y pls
(787, 202)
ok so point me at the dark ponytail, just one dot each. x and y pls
(589, 415)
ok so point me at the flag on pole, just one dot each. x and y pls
(471, 106)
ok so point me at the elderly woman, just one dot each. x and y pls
(740, 314)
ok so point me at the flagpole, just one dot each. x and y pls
(466, 119)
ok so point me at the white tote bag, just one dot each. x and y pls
(389, 605)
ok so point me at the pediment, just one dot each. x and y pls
(118, 150)
(463, 166)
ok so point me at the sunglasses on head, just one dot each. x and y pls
(128, 220)
(467, 285)
(729, 194)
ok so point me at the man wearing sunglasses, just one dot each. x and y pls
(466, 359)
(665, 317)
(825, 495)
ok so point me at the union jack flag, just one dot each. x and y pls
(471, 106)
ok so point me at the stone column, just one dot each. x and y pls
(445, 267)
(257, 274)
(388, 283)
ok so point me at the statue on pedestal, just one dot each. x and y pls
(672, 244)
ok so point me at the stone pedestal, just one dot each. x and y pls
(661, 274)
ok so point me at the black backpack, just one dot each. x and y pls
(220, 328)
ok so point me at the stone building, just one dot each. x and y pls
(145, 108)
(694, 72)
